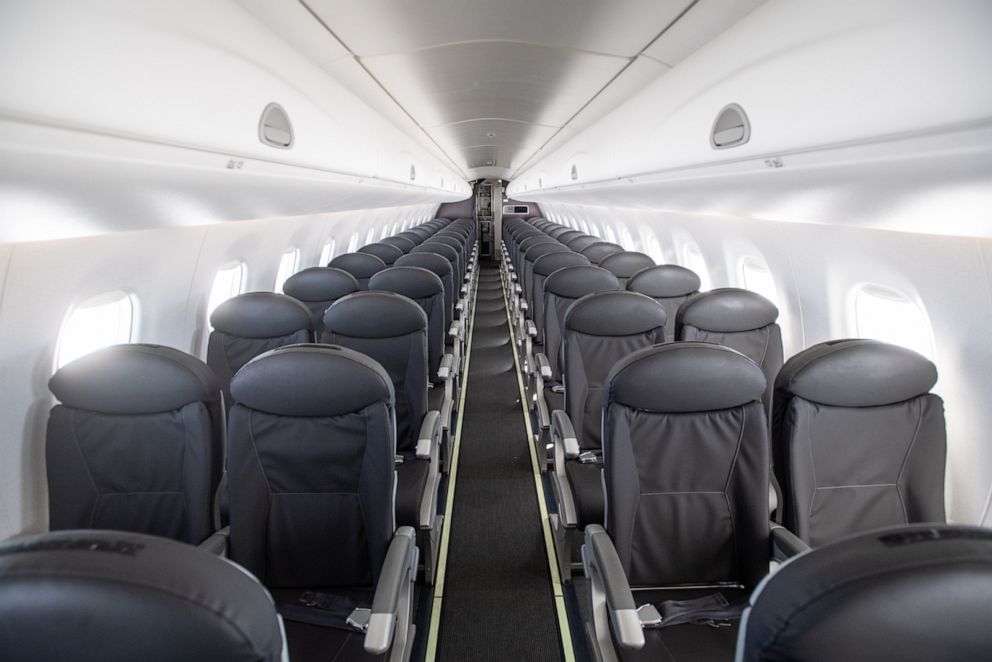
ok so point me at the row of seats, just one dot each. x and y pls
(316, 467)
(668, 444)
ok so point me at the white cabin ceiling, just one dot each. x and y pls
(488, 85)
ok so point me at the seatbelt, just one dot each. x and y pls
(713, 610)
(327, 610)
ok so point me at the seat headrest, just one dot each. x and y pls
(320, 284)
(432, 261)
(597, 252)
(134, 379)
(541, 246)
(359, 265)
(685, 377)
(412, 282)
(626, 264)
(414, 238)
(565, 237)
(552, 262)
(576, 282)
(384, 252)
(311, 380)
(261, 315)
(910, 593)
(374, 315)
(582, 241)
(615, 313)
(405, 244)
(665, 281)
(727, 310)
(442, 249)
(95, 595)
(856, 373)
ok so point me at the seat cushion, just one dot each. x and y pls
(554, 400)
(314, 643)
(411, 480)
(435, 397)
(587, 487)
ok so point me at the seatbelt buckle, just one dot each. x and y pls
(359, 618)
(592, 457)
(649, 616)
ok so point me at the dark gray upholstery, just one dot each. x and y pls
(360, 265)
(414, 237)
(561, 290)
(136, 443)
(624, 265)
(440, 267)
(310, 467)
(599, 251)
(737, 318)
(543, 267)
(581, 242)
(913, 594)
(447, 252)
(385, 252)
(532, 254)
(318, 288)
(457, 246)
(558, 230)
(668, 284)
(405, 244)
(250, 324)
(427, 291)
(859, 441)
(109, 596)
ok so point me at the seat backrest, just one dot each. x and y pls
(440, 267)
(405, 244)
(250, 324)
(532, 253)
(582, 241)
(310, 467)
(859, 441)
(385, 252)
(558, 230)
(457, 246)
(415, 238)
(685, 464)
(737, 318)
(101, 596)
(566, 237)
(318, 288)
(599, 251)
(136, 443)
(449, 254)
(360, 265)
(668, 284)
(543, 267)
(624, 265)
(561, 289)
(426, 290)
(392, 330)
(601, 329)
(912, 593)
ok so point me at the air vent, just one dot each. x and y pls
(731, 128)
(575, 172)
(274, 128)
(413, 173)
(442, 182)
(540, 182)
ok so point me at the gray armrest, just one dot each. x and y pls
(540, 404)
(396, 575)
(447, 363)
(532, 330)
(430, 433)
(543, 365)
(602, 560)
(216, 544)
(455, 329)
(524, 306)
(561, 428)
(786, 544)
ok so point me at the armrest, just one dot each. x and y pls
(540, 404)
(216, 544)
(447, 365)
(524, 305)
(604, 562)
(430, 432)
(455, 329)
(397, 571)
(532, 332)
(786, 544)
(543, 365)
(561, 428)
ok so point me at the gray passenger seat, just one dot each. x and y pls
(360, 265)
(318, 288)
(668, 284)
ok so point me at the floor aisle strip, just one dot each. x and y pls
(563, 626)
(449, 502)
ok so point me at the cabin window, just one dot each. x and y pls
(326, 253)
(385, 231)
(626, 240)
(653, 248)
(352, 243)
(104, 320)
(229, 282)
(584, 226)
(611, 236)
(370, 236)
(287, 267)
(882, 313)
(693, 259)
(757, 277)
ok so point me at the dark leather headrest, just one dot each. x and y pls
(320, 284)
(912, 593)
(433, 262)
(665, 281)
(444, 250)
(576, 282)
(728, 310)
(597, 252)
(582, 242)
(537, 251)
(615, 313)
(134, 379)
(261, 315)
(626, 264)
(415, 238)
(413, 282)
(552, 262)
(685, 377)
(405, 244)
(93, 596)
(384, 252)
(359, 265)
(311, 380)
(856, 373)
(565, 237)
(374, 315)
